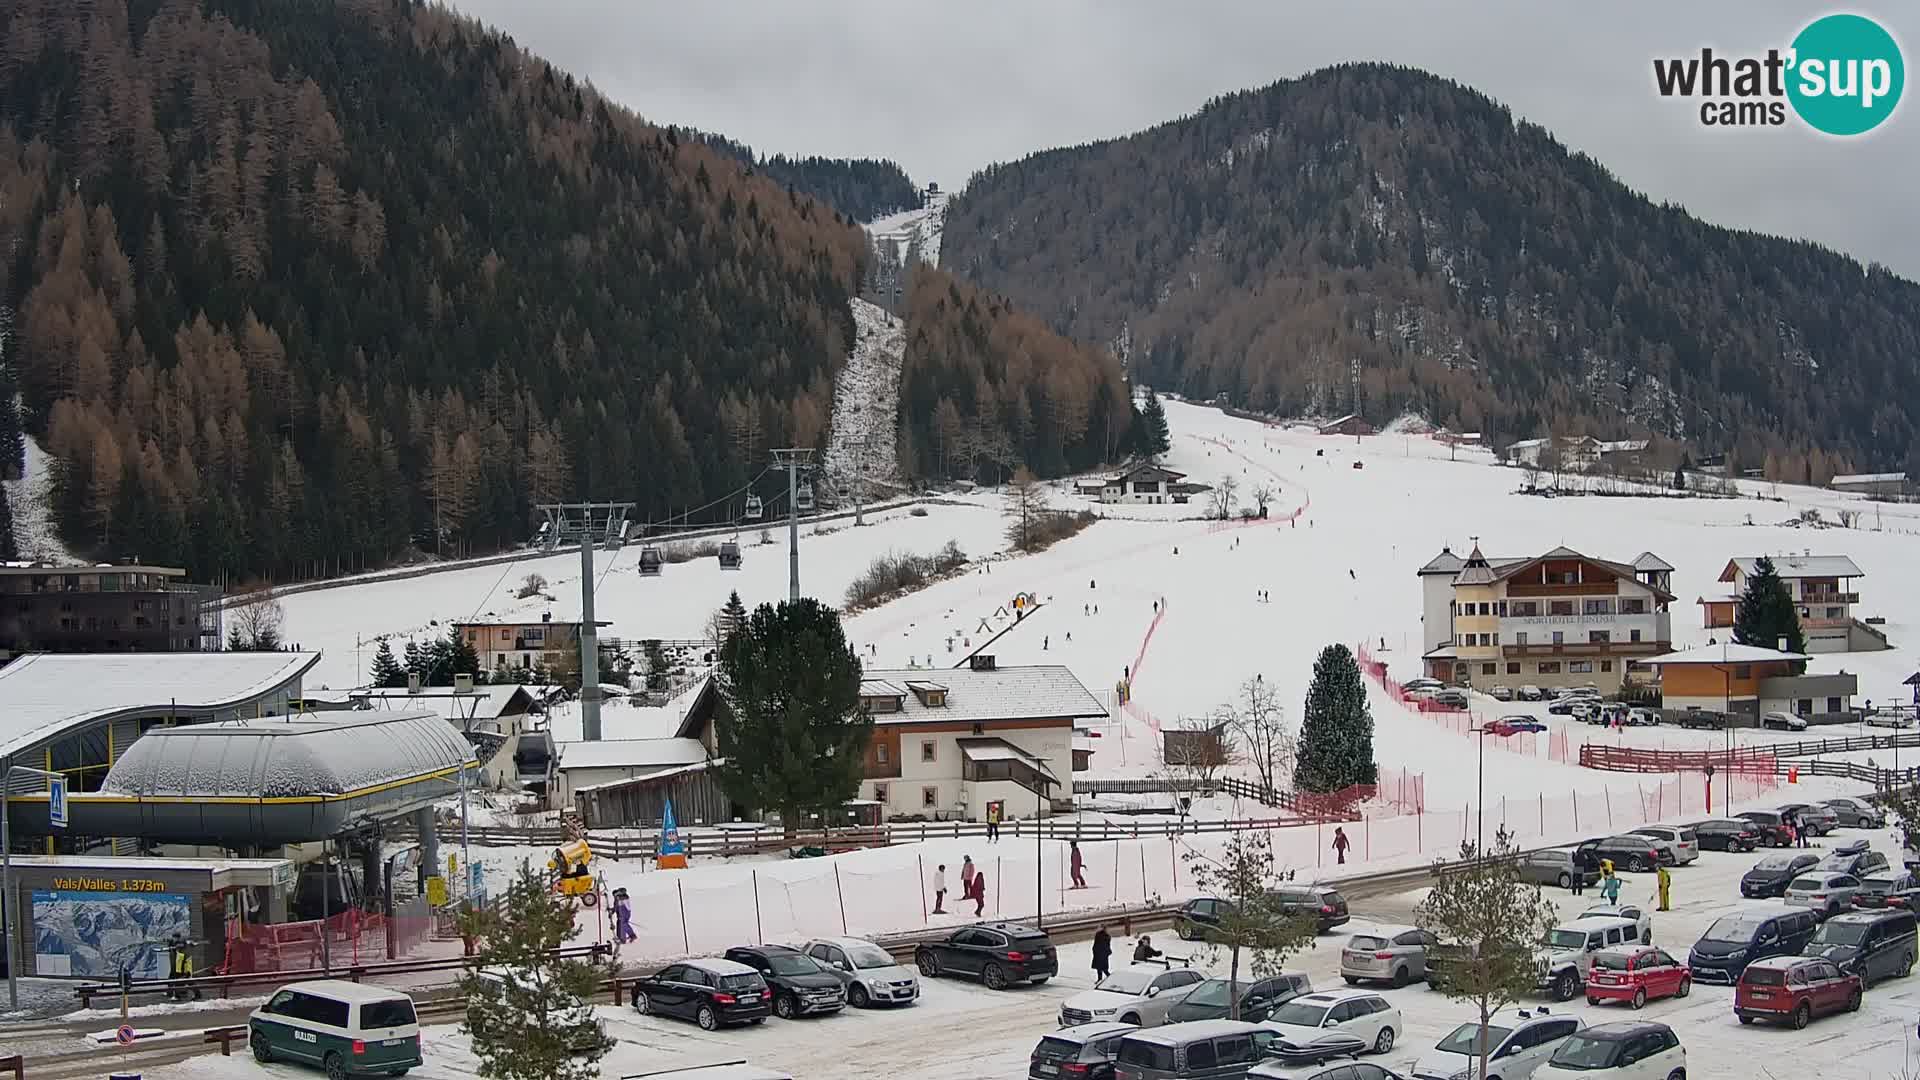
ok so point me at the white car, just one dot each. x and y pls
(1641, 917)
(1139, 995)
(1635, 1050)
(871, 975)
(1518, 1042)
(1331, 1019)
(1684, 845)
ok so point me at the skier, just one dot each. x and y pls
(1351, 574)
(993, 823)
(623, 931)
(1045, 642)
(1076, 863)
(1341, 844)
(1665, 886)
(940, 889)
(1102, 953)
(1156, 607)
(1089, 583)
(1069, 635)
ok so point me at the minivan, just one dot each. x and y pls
(346, 1028)
(1871, 944)
(1741, 937)
(1199, 1050)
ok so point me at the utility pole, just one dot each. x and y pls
(794, 459)
(589, 523)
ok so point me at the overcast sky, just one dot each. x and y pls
(947, 88)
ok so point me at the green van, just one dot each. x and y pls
(346, 1028)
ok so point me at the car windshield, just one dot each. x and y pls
(1737, 928)
(1567, 939)
(1299, 1015)
(870, 956)
(1583, 1052)
(792, 964)
(1466, 1039)
(1126, 982)
(1213, 993)
(1840, 933)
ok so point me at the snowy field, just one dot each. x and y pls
(964, 1029)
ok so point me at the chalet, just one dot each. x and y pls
(1574, 452)
(1623, 453)
(1887, 484)
(1823, 592)
(616, 782)
(507, 643)
(1143, 483)
(1558, 619)
(1350, 424)
(1744, 681)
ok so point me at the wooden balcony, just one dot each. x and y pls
(1587, 648)
(1608, 587)
(1829, 598)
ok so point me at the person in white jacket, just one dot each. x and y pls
(940, 889)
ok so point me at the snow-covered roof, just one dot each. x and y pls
(880, 688)
(1870, 478)
(647, 774)
(1624, 446)
(485, 703)
(1010, 693)
(1647, 561)
(1146, 468)
(989, 749)
(1444, 563)
(288, 757)
(629, 754)
(1728, 653)
(1797, 566)
(46, 695)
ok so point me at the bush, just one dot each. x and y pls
(895, 574)
(1049, 529)
(689, 550)
(531, 585)
(918, 511)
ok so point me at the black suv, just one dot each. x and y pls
(711, 993)
(1258, 997)
(1085, 1051)
(1773, 873)
(1325, 906)
(1724, 834)
(998, 954)
(800, 985)
(1627, 851)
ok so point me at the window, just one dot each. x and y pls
(1804, 706)
(1486, 608)
(1525, 609)
(1559, 637)
(1500, 608)
(926, 749)
(1513, 667)
(1834, 612)
(1200, 1056)
(1489, 669)
(1496, 639)
(881, 754)
(1580, 667)
(1235, 1050)
(930, 797)
(1597, 637)
(1599, 607)
(1562, 607)
(1520, 638)
(1549, 667)
(1633, 606)
(1606, 665)
(879, 793)
(1633, 635)
(1833, 704)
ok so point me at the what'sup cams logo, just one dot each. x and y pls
(1842, 75)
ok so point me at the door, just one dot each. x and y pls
(1663, 972)
(1412, 947)
(664, 990)
(1356, 1018)
(1541, 1041)
(1827, 987)
(974, 948)
(1642, 1058)
(691, 991)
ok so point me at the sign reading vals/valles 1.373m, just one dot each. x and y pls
(125, 885)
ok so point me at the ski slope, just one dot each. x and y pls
(866, 405)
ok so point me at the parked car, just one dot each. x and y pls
(800, 986)
(1555, 866)
(1258, 997)
(1794, 989)
(1421, 693)
(1529, 692)
(1822, 891)
(1874, 945)
(1500, 693)
(1701, 718)
(346, 1028)
(1643, 717)
(1818, 819)
(1276, 1069)
(1563, 707)
(1627, 851)
(1084, 1052)
(870, 973)
(1393, 954)
(1641, 917)
(1630, 1051)
(1779, 721)
(1567, 953)
(1889, 718)
(1887, 889)
(1422, 682)
(1725, 834)
(1200, 1050)
(1513, 725)
(1673, 851)
(1333, 1018)
(1857, 813)
(1519, 1041)
(1322, 903)
(1139, 995)
(590, 1032)
(1741, 937)
(1856, 857)
(1636, 974)
(1775, 872)
(1452, 696)
(998, 954)
(1771, 824)
(711, 993)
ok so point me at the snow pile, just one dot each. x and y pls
(866, 405)
(31, 498)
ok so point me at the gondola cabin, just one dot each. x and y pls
(754, 508)
(730, 555)
(803, 497)
(650, 561)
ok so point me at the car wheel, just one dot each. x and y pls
(1182, 931)
(1639, 998)
(857, 996)
(1686, 987)
(783, 1006)
(1352, 980)
(1594, 1001)
(335, 1065)
(1677, 1074)
(1643, 865)
(1401, 978)
(1744, 1018)
(1566, 881)
(1564, 986)
(1906, 967)
(1130, 1019)
(994, 976)
(1383, 1042)
(1853, 1001)
(641, 1003)
(707, 1018)
(262, 1053)
(928, 963)
(1802, 1016)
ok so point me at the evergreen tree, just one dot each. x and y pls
(530, 1015)
(387, 671)
(1252, 924)
(656, 664)
(414, 660)
(792, 735)
(461, 658)
(1336, 730)
(734, 614)
(1679, 478)
(1766, 613)
(1155, 437)
(8, 548)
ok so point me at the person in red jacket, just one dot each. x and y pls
(1076, 862)
(1341, 844)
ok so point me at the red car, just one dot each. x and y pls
(1795, 989)
(1634, 973)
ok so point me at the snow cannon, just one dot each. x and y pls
(571, 876)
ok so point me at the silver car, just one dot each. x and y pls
(1555, 867)
(871, 975)
(1393, 954)
(1857, 813)
(1139, 994)
(1826, 892)
(1680, 842)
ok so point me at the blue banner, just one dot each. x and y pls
(670, 842)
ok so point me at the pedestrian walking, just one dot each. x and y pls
(1046, 641)
(1069, 635)
(1579, 884)
(1610, 888)
(1076, 863)
(940, 889)
(623, 931)
(1102, 953)
(979, 893)
(1665, 881)
(967, 873)
(1341, 844)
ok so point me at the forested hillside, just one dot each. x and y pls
(985, 388)
(860, 188)
(300, 283)
(1478, 271)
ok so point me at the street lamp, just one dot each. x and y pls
(8, 902)
(1480, 783)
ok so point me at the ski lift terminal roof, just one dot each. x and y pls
(48, 696)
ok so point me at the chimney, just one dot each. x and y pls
(546, 616)
(982, 662)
